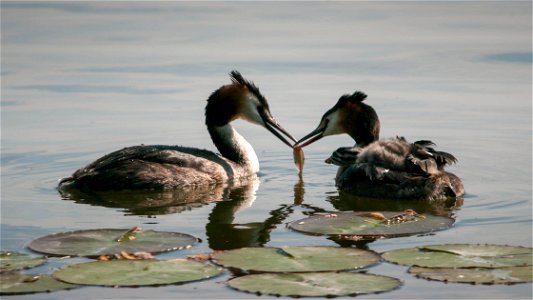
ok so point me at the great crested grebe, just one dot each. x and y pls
(389, 168)
(166, 167)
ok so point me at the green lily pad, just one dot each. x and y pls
(136, 272)
(508, 275)
(370, 225)
(480, 250)
(10, 260)
(295, 259)
(98, 242)
(447, 256)
(15, 283)
(316, 284)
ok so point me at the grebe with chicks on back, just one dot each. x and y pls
(168, 167)
(388, 168)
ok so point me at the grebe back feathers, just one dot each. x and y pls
(167, 167)
(388, 168)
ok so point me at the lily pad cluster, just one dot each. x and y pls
(467, 263)
(125, 259)
(304, 271)
(371, 225)
(135, 269)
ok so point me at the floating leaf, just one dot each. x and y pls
(136, 272)
(13, 283)
(479, 250)
(295, 259)
(367, 225)
(508, 275)
(10, 260)
(98, 242)
(314, 284)
(443, 256)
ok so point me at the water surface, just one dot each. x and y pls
(82, 79)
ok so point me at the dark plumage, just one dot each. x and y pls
(169, 167)
(388, 168)
(158, 167)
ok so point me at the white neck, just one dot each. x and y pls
(233, 146)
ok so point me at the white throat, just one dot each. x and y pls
(238, 143)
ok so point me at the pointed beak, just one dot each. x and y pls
(313, 136)
(276, 129)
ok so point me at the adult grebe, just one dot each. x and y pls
(166, 167)
(389, 168)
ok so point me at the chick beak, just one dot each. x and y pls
(313, 136)
(275, 128)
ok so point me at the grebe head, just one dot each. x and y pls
(350, 115)
(242, 100)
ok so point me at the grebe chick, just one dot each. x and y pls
(167, 167)
(389, 168)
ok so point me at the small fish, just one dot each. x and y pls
(129, 235)
(126, 255)
(199, 257)
(375, 215)
(123, 255)
(32, 278)
(407, 215)
(143, 255)
(298, 155)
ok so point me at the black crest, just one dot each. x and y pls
(237, 78)
(357, 96)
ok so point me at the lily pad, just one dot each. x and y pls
(92, 243)
(136, 272)
(480, 250)
(15, 283)
(295, 259)
(10, 260)
(447, 256)
(508, 275)
(316, 284)
(370, 225)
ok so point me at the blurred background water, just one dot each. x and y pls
(82, 79)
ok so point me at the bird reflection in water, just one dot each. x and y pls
(150, 203)
(223, 234)
(349, 202)
(221, 231)
(229, 200)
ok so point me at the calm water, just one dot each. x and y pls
(80, 80)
